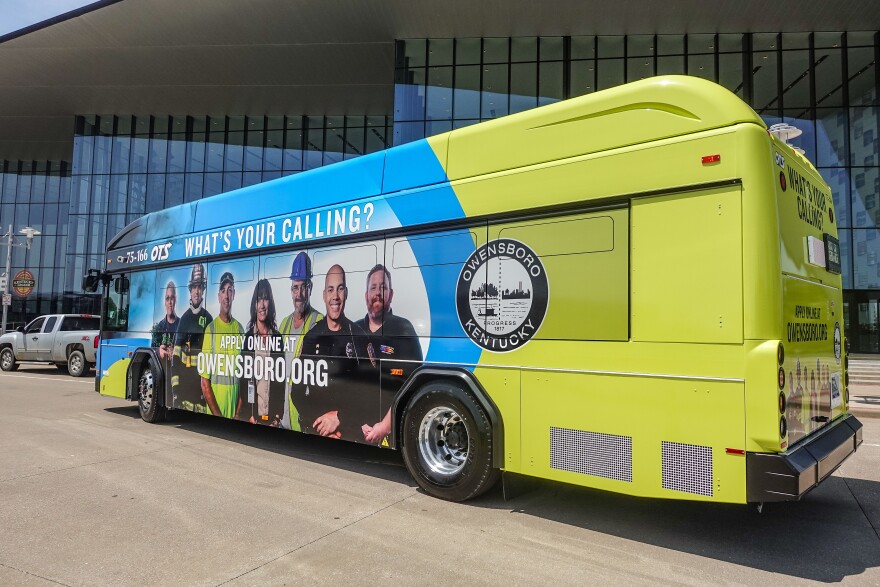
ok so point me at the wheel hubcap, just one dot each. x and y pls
(145, 390)
(7, 359)
(443, 441)
(76, 363)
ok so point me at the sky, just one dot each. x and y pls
(17, 14)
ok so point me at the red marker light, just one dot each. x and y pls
(709, 159)
(735, 451)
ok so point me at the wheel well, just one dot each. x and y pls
(5, 345)
(74, 346)
(456, 376)
(138, 358)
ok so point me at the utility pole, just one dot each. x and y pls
(29, 234)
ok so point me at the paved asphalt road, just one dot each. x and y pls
(92, 495)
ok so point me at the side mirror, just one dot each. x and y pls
(90, 282)
(120, 285)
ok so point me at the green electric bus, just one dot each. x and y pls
(636, 290)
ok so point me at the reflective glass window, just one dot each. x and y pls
(523, 49)
(193, 186)
(495, 91)
(173, 189)
(155, 192)
(832, 126)
(829, 77)
(863, 142)
(439, 94)
(439, 52)
(795, 79)
(466, 95)
(862, 76)
(523, 87)
(467, 51)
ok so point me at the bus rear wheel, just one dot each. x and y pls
(7, 360)
(447, 442)
(148, 399)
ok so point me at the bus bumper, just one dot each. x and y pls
(788, 476)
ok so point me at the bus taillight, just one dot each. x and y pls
(783, 427)
(782, 403)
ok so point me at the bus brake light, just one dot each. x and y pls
(709, 159)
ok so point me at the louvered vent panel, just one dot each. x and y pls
(687, 467)
(591, 453)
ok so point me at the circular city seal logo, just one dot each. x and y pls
(838, 343)
(23, 283)
(782, 182)
(501, 295)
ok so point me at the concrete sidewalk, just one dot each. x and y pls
(864, 385)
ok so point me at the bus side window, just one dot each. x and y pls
(586, 263)
(117, 302)
(427, 266)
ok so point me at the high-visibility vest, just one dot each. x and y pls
(312, 318)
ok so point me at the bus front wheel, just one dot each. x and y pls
(148, 400)
(447, 442)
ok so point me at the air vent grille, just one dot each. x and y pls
(687, 468)
(591, 453)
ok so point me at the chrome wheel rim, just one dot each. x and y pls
(443, 441)
(76, 364)
(145, 390)
(6, 359)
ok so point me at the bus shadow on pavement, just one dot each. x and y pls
(826, 537)
(359, 458)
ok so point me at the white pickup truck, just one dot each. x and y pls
(69, 341)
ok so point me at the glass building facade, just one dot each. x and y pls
(824, 83)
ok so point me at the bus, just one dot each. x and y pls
(637, 291)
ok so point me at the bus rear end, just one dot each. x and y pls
(817, 431)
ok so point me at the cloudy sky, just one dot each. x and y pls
(17, 14)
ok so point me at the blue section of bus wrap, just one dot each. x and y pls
(341, 182)
(449, 342)
(118, 349)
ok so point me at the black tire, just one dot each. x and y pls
(149, 403)
(7, 360)
(447, 442)
(76, 364)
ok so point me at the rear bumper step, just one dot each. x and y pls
(788, 476)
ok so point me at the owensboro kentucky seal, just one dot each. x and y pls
(501, 295)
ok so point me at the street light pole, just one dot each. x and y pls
(29, 233)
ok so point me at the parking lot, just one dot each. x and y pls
(92, 495)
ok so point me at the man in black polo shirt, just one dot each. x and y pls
(396, 343)
(347, 400)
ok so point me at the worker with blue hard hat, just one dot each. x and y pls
(294, 327)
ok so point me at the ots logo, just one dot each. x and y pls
(780, 161)
(160, 252)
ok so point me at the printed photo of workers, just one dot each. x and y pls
(297, 324)
(221, 390)
(185, 379)
(262, 398)
(350, 398)
(163, 331)
(395, 340)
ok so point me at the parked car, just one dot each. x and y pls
(69, 341)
